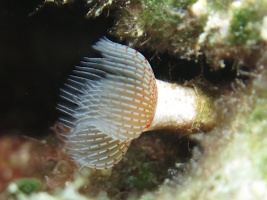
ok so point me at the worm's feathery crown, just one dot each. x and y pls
(113, 101)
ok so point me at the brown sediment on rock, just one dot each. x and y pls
(25, 157)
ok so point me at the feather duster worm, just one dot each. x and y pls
(112, 100)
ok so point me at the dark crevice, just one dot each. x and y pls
(37, 53)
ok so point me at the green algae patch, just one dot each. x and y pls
(219, 4)
(245, 25)
(28, 185)
(146, 178)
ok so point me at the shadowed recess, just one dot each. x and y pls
(37, 52)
